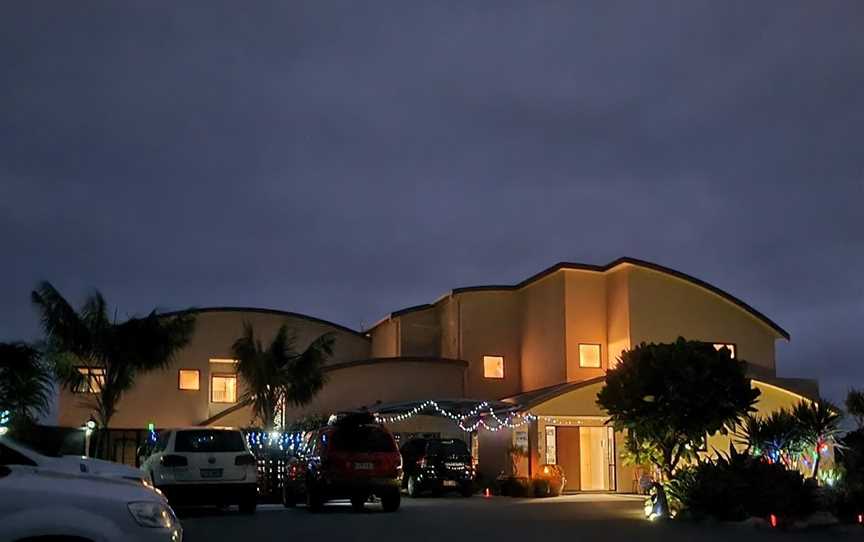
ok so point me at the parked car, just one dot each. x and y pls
(354, 458)
(40, 504)
(204, 466)
(20, 454)
(437, 465)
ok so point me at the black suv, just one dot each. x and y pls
(437, 465)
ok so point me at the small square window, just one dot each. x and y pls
(729, 346)
(92, 379)
(493, 366)
(223, 388)
(589, 355)
(189, 379)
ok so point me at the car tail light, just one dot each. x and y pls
(173, 461)
(245, 459)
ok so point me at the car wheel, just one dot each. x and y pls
(413, 487)
(314, 502)
(357, 502)
(289, 499)
(390, 501)
(248, 506)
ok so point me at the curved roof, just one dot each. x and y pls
(267, 311)
(600, 269)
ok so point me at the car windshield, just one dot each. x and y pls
(446, 448)
(362, 438)
(23, 449)
(209, 441)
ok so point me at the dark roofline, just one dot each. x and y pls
(532, 398)
(267, 311)
(601, 269)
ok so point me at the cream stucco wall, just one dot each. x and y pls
(664, 307)
(543, 338)
(420, 333)
(385, 339)
(156, 397)
(585, 304)
(617, 313)
(490, 323)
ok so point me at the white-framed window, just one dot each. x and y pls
(223, 388)
(493, 366)
(729, 346)
(93, 378)
(589, 356)
(189, 379)
(551, 451)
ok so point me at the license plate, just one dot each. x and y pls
(211, 473)
(362, 466)
(455, 466)
(449, 483)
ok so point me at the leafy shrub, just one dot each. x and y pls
(541, 487)
(736, 486)
(513, 486)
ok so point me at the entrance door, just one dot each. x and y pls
(567, 444)
(594, 458)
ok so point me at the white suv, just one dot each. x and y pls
(39, 504)
(204, 465)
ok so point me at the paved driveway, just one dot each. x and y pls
(498, 519)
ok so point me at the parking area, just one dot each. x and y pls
(577, 517)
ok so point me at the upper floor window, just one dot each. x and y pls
(92, 380)
(189, 379)
(730, 346)
(223, 388)
(589, 355)
(493, 366)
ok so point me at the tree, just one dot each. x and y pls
(26, 383)
(855, 406)
(671, 396)
(776, 437)
(819, 426)
(117, 351)
(278, 374)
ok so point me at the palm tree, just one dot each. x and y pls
(855, 406)
(26, 383)
(279, 374)
(119, 350)
(819, 426)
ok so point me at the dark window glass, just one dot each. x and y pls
(162, 441)
(8, 456)
(209, 441)
(446, 448)
(362, 438)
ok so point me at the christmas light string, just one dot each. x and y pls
(460, 419)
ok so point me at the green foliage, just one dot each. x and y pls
(668, 397)
(26, 384)
(855, 406)
(818, 426)
(278, 373)
(90, 338)
(737, 485)
(309, 423)
(776, 437)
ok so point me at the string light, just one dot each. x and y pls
(460, 419)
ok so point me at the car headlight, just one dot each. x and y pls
(152, 514)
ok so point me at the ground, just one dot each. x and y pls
(478, 519)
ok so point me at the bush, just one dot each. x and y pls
(738, 486)
(554, 476)
(541, 487)
(513, 486)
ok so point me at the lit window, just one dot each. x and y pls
(92, 380)
(223, 388)
(189, 379)
(589, 355)
(730, 346)
(493, 366)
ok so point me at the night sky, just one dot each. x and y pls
(348, 159)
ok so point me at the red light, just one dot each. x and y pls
(860, 518)
(773, 519)
(488, 493)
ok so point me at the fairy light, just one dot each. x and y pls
(461, 420)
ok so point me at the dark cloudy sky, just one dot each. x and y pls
(346, 159)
